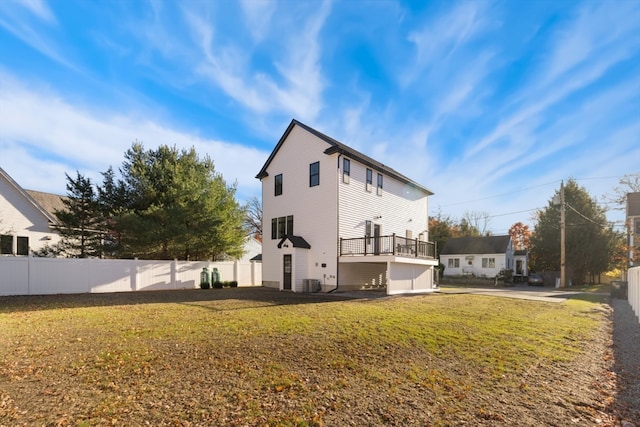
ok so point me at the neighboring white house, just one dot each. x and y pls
(252, 250)
(477, 256)
(337, 219)
(521, 264)
(27, 222)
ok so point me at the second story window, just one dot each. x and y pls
(379, 184)
(281, 227)
(346, 170)
(314, 174)
(369, 179)
(278, 184)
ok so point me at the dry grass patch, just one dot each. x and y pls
(259, 357)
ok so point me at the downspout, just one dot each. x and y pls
(337, 228)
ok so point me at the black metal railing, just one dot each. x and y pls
(387, 245)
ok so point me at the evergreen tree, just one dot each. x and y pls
(587, 235)
(80, 221)
(173, 205)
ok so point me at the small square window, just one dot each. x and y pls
(6, 244)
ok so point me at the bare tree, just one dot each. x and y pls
(253, 221)
(477, 220)
(629, 183)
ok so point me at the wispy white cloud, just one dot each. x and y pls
(440, 39)
(18, 18)
(258, 15)
(53, 130)
(299, 92)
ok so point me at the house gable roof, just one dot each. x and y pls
(476, 245)
(336, 146)
(28, 196)
(296, 242)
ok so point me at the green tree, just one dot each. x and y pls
(172, 204)
(80, 220)
(441, 229)
(587, 235)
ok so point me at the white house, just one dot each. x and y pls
(27, 222)
(478, 256)
(335, 219)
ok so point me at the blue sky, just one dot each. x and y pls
(490, 104)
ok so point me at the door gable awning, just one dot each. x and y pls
(294, 241)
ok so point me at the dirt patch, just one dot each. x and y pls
(278, 379)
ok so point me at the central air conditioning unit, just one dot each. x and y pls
(311, 285)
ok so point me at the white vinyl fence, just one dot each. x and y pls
(633, 278)
(40, 276)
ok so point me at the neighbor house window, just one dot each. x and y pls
(346, 170)
(488, 263)
(369, 179)
(6, 244)
(314, 174)
(23, 246)
(379, 184)
(454, 263)
(368, 226)
(278, 183)
(281, 227)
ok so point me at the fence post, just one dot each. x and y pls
(236, 271)
(393, 248)
(174, 274)
(253, 273)
(133, 274)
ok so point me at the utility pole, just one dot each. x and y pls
(563, 277)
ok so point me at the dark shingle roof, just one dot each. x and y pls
(338, 147)
(476, 245)
(296, 241)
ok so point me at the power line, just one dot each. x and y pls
(532, 188)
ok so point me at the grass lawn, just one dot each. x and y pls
(250, 357)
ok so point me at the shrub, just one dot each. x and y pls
(217, 284)
(233, 284)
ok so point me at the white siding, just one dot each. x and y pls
(314, 208)
(408, 278)
(400, 208)
(472, 264)
(19, 217)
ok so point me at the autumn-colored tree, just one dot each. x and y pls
(520, 234)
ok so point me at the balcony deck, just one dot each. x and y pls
(387, 245)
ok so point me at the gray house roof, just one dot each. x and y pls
(476, 245)
(40, 203)
(48, 201)
(338, 147)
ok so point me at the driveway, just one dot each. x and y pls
(519, 291)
